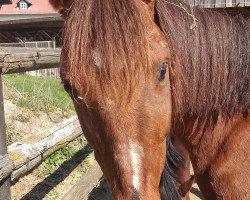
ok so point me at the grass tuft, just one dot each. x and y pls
(39, 94)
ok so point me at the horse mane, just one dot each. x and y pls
(104, 43)
(169, 180)
(211, 50)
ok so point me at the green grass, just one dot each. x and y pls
(39, 93)
(53, 162)
(12, 134)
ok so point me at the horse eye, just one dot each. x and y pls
(163, 71)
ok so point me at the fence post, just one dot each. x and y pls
(24, 42)
(53, 42)
(5, 184)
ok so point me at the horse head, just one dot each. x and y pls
(115, 64)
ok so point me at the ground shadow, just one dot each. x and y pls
(43, 188)
(197, 192)
(102, 192)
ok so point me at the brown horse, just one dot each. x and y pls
(139, 69)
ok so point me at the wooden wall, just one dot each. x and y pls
(219, 3)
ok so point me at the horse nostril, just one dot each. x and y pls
(135, 194)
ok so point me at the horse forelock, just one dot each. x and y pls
(104, 43)
(212, 49)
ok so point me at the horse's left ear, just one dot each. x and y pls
(62, 6)
(151, 6)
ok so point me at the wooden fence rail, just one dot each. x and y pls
(86, 184)
(29, 60)
(32, 150)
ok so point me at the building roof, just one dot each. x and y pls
(37, 7)
(2, 2)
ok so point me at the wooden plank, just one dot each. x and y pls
(229, 3)
(196, 2)
(247, 2)
(29, 61)
(191, 2)
(239, 3)
(211, 3)
(86, 184)
(219, 3)
(40, 23)
(26, 168)
(6, 166)
(202, 3)
(32, 150)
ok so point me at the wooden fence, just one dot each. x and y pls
(218, 3)
(33, 44)
(29, 60)
(22, 157)
(30, 151)
(44, 51)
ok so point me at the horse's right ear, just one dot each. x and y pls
(62, 6)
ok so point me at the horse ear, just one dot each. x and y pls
(151, 6)
(62, 6)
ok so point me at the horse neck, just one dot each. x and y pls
(211, 52)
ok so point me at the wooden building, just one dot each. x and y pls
(29, 20)
(219, 3)
(25, 9)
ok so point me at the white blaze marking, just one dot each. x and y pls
(135, 158)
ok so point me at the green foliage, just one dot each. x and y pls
(12, 135)
(55, 160)
(39, 93)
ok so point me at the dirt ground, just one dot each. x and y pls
(24, 121)
(103, 192)
(52, 187)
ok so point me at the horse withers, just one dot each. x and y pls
(137, 70)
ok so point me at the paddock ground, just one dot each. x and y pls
(92, 186)
(102, 192)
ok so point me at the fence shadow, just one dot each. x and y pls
(102, 192)
(43, 188)
(197, 192)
